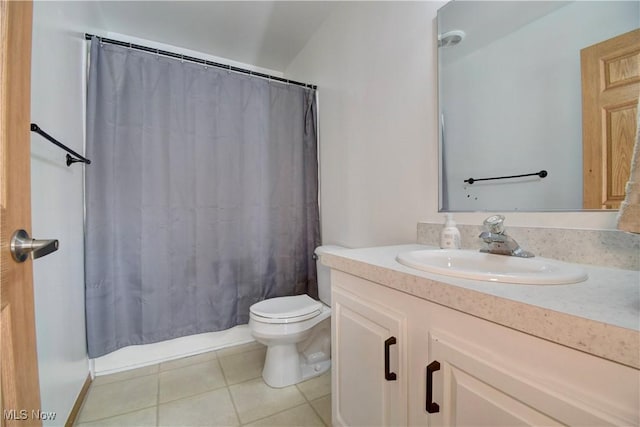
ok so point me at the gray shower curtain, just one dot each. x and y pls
(202, 197)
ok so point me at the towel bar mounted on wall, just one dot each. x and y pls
(541, 174)
(70, 160)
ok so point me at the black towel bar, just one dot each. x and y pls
(70, 160)
(541, 174)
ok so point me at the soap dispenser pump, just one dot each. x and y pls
(450, 235)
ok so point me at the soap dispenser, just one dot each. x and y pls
(450, 235)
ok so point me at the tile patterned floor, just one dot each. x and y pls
(220, 388)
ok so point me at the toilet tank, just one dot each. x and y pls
(324, 274)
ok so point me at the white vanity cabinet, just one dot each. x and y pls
(369, 373)
(491, 375)
(483, 374)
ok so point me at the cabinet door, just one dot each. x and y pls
(368, 354)
(472, 392)
(472, 387)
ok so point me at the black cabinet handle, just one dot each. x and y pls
(431, 406)
(389, 376)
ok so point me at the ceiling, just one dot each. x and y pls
(267, 34)
(486, 21)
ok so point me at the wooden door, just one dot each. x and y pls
(18, 359)
(610, 90)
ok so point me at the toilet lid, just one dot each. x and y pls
(286, 307)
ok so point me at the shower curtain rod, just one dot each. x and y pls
(88, 36)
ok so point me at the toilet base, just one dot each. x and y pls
(285, 366)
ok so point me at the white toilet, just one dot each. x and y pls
(296, 331)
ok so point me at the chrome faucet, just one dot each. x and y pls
(498, 242)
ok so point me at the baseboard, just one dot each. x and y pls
(79, 400)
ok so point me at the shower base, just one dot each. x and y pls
(137, 356)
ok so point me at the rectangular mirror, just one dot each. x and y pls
(519, 84)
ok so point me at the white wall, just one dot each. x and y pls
(57, 106)
(375, 67)
(375, 64)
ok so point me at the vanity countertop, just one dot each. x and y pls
(600, 316)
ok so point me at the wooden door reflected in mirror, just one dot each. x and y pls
(610, 91)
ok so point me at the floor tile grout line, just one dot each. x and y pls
(309, 402)
(328, 372)
(217, 357)
(91, 390)
(114, 415)
(227, 386)
(279, 412)
(200, 392)
(233, 402)
(243, 381)
(235, 408)
(224, 376)
(124, 379)
(158, 403)
(304, 396)
(158, 365)
(192, 395)
(253, 350)
(234, 353)
(245, 352)
(184, 366)
(318, 413)
(189, 365)
(186, 357)
(158, 400)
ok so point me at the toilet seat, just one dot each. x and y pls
(285, 309)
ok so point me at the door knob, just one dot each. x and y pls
(22, 245)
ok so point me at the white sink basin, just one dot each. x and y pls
(493, 268)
